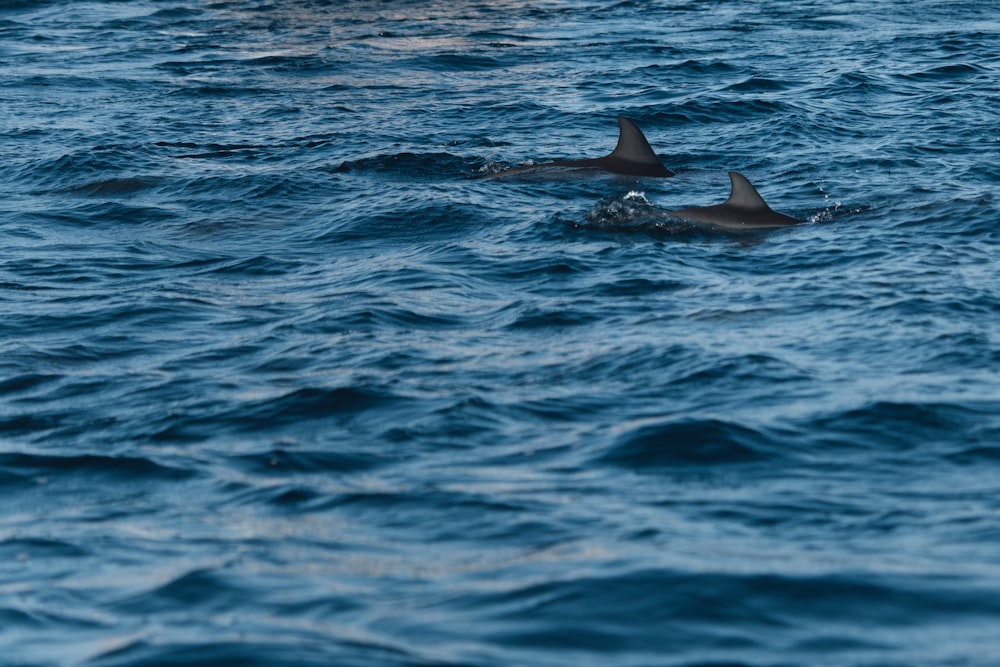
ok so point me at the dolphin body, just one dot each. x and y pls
(744, 210)
(631, 157)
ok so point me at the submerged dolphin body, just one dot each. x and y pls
(744, 210)
(631, 157)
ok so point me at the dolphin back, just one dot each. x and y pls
(744, 210)
(633, 155)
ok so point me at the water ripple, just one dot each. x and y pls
(285, 380)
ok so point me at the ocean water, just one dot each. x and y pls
(285, 381)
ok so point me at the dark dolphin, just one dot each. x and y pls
(744, 210)
(631, 157)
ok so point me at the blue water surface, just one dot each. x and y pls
(285, 381)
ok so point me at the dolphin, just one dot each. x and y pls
(744, 210)
(631, 157)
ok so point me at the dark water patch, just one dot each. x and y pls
(577, 408)
(638, 287)
(560, 268)
(409, 165)
(283, 462)
(70, 85)
(731, 614)
(289, 499)
(294, 498)
(26, 383)
(543, 319)
(855, 82)
(503, 39)
(987, 454)
(318, 652)
(92, 466)
(111, 214)
(689, 442)
(25, 549)
(305, 64)
(760, 84)
(946, 72)
(456, 423)
(195, 47)
(16, 618)
(127, 313)
(203, 589)
(116, 186)
(688, 68)
(302, 407)
(80, 164)
(219, 90)
(901, 426)
(171, 14)
(33, 425)
(657, 597)
(963, 43)
(187, 67)
(461, 62)
(9, 5)
(13, 482)
(408, 318)
(963, 349)
(245, 151)
(261, 266)
(49, 427)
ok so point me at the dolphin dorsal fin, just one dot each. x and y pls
(744, 194)
(632, 145)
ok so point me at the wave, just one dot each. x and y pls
(284, 462)
(298, 407)
(731, 617)
(410, 165)
(260, 652)
(90, 466)
(894, 426)
(686, 441)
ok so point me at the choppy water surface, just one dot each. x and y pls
(284, 381)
